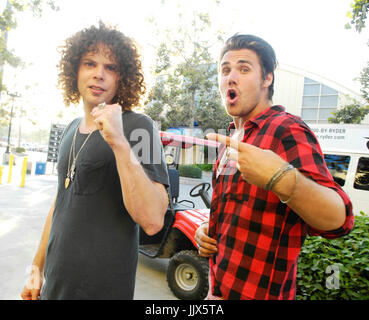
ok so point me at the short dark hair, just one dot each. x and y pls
(123, 50)
(263, 50)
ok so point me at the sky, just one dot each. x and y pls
(308, 35)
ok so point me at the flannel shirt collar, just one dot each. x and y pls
(260, 118)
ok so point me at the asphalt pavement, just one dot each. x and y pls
(23, 211)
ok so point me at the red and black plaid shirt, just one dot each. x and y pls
(259, 238)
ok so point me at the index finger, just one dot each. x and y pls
(229, 142)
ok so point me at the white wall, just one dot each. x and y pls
(288, 90)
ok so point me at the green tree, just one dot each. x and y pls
(364, 80)
(358, 17)
(352, 113)
(8, 21)
(185, 89)
(358, 14)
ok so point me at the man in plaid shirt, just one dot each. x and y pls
(271, 186)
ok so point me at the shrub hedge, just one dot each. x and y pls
(335, 269)
(190, 171)
(19, 150)
(206, 166)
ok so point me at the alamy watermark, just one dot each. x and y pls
(34, 278)
(145, 152)
(333, 280)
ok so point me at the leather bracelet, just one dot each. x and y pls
(293, 191)
(278, 175)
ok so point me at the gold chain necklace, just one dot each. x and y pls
(72, 169)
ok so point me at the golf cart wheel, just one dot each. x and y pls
(187, 275)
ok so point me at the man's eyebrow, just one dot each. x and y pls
(241, 61)
(110, 64)
(244, 61)
(87, 59)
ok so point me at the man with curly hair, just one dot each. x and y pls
(109, 182)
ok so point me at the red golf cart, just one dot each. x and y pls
(187, 272)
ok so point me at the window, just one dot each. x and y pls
(326, 113)
(328, 101)
(337, 166)
(308, 80)
(309, 113)
(310, 101)
(311, 89)
(318, 102)
(362, 174)
(327, 90)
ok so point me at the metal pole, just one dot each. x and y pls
(20, 128)
(10, 126)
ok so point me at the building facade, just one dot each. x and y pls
(310, 96)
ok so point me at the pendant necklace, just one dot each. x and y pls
(72, 168)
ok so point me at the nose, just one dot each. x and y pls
(232, 77)
(99, 72)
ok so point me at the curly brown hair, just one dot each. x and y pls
(123, 50)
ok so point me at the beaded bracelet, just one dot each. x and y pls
(278, 175)
(293, 191)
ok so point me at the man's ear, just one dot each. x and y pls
(268, 80)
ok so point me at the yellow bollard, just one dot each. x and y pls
(24, 171)
(11, 160)
(1, 173)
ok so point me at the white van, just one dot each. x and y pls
(346, 152)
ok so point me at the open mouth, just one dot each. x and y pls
(232, 95)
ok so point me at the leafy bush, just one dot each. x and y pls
(206, 166)
(19, 150)
(348, 256)
(190, 171)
